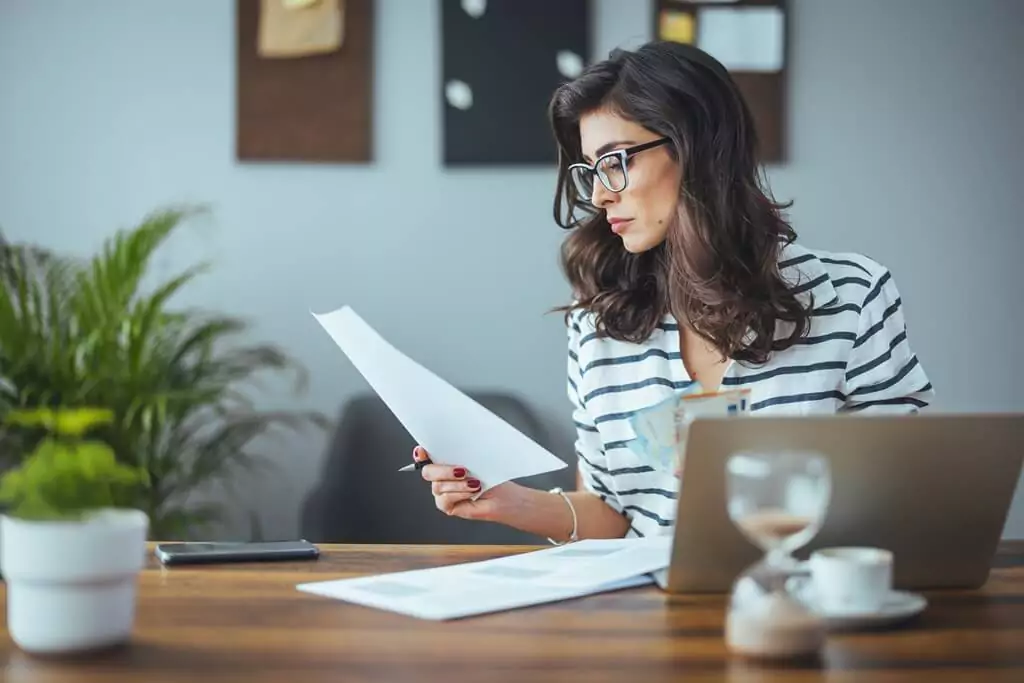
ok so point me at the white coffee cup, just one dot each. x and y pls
(851, 579)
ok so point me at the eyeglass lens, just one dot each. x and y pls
(610, 171)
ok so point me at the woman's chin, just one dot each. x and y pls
(637, 244)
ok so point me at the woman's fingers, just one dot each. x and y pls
(447, 502)
(481, 508)
(451, 485)
(469, 486)
(443, 473)
(432, 472)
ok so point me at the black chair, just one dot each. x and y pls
(362, 498)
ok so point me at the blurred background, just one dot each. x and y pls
(903, 141)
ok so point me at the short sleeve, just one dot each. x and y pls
(883, 374)
(590, 453)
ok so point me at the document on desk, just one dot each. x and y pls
(455, 429)
(475, 588)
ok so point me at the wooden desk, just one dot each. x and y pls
(249, 623)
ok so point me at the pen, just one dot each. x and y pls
(418, 465)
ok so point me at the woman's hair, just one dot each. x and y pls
(718, 267)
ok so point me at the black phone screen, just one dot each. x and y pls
(192, 552)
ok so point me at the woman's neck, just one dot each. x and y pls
(703, 362)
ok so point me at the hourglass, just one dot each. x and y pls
(778, 500)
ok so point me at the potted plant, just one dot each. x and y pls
(70, 549)
(104, 331)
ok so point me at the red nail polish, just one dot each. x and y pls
(473, 483)
(459, 472)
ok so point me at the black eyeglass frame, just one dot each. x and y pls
(623, 154)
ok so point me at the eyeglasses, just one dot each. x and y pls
(610, 168)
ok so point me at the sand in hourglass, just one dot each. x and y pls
(773, 526)
(774, 626)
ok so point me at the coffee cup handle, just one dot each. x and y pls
(798, 584)
(802, 568)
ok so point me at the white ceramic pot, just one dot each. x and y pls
(71, 585)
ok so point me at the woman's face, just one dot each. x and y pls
(642, 212)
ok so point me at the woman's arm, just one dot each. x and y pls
(883, 374)
(547, 514)
(598, 511)
(537, 512)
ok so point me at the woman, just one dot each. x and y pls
(684, 271)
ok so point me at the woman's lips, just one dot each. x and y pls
(619, 225)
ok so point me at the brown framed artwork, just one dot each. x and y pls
(304, 85)
(749, 37)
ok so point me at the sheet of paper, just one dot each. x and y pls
(455, 429)
(475, 588)
(642, 556)
(742, 38)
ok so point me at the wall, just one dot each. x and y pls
(905, 144)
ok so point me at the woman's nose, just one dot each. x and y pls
(602, 196)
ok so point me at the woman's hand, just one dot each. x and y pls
(536, 512)
(677, 471)
(454, 487)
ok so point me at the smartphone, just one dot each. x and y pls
(209, 553)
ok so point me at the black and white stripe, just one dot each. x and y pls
(856, 357)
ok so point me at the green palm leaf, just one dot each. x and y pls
(178, 382)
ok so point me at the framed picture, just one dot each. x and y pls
(501, 62)
(749, 38)
(305, 108)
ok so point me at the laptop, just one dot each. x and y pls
(934, 489)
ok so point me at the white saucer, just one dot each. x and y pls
(899, 606)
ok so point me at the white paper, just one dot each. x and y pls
(469, 589)
(603, 562)
(455, 429)
(742, 38)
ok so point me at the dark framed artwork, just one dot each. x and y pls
(749, 37)
(501, 62)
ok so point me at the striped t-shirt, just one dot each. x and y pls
(855, 357)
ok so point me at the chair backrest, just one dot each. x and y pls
(361, 498)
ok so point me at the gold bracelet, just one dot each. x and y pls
(573, 537)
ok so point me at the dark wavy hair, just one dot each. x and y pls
(718, 269)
